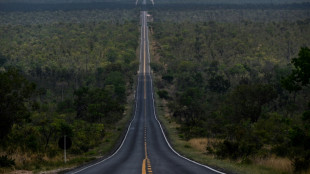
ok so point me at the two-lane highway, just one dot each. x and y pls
(145, 148)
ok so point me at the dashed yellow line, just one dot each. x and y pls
(144, 60)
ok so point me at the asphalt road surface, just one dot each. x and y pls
(145, 148)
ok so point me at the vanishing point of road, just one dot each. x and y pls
(145, 148)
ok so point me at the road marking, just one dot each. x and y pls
(144, 54)
(144, 29)
(129, 127)
(162, 131)
(146, 159)
(143, 167)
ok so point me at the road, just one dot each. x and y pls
(145, 148)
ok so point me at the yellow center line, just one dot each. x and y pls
(143, 167)
(145, 160)
(144, 64)
(144, 32)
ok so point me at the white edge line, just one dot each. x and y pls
(126, 132)
(122, 141)
(160, 128)
(169, 143)
(163, 130)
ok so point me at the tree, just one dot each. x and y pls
(218, 84)
(81, 102)
(15, 93)
(300, 76)
(299, 136)
(111, 55)
(190, 109)
(246, 101)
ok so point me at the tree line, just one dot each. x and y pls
(58, 79)
(245, 84)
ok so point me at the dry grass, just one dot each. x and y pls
(306, 172)
(201, 143)
(21, 172)
(21, 158)
(277, 163)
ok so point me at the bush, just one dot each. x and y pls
(227, 149)
(156, 67)
(163, 94)
(6, 162)
(236, 149)
(65, 106)
(168, 78)
(280, 150)
(301, 163)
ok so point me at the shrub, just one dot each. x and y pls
(227, 149)
(301, 163)
(163, 94)
(6, 162)
(168, 78)
(236, 149)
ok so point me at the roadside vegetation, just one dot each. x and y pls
(234, 90)
(64, 78)
(232, 83)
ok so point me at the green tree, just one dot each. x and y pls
(218, 84)
(300, 75)
(81, 102)
(299, 135)
(246, 101)
(15, 95)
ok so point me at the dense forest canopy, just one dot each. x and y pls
(75, 16)
(165, 1)
(64, 1)
(27, 6)
(64, 73)
(230, 1)
(224, 74)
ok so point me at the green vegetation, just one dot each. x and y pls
(233, 15)
(228, 1)
(236, 77)
(61, 16)
(230, 82)
(64, 78)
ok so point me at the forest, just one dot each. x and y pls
(243, 84)
(64, 78)
(229, 1)
(28, 7)
(235, 74)
(165, 1)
